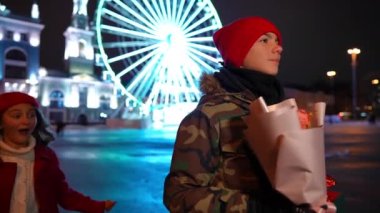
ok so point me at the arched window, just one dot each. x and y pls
(56, 99)
(15, 64)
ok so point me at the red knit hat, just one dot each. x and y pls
(235, 40)
(10, 99)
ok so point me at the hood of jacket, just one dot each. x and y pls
(209, 85)
(214, 93)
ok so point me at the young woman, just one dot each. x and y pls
(212, 168)
(31, 180)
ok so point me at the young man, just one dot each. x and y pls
(213, 169)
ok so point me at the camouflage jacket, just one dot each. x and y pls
(212, 168)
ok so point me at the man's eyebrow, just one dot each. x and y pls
(268, 34)
(15, 110)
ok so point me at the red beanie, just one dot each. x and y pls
(10, 99)
(235, 40)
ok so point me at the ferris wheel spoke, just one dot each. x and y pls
(159, 85)
(203, 47)
(124, 91)
(149, 66)
(182, 83)
(190, 78)
(147, 92)
(157, 8)
(163, 10)
(145, 12)
(153, 96)
(176, 84)
(194, 68)
(196, 58)
(202, 30)
(126, 32)
(167, 89)
(194, 14)
(135, 14)
(173, 9)
(133, 53)
(182, 92)
(203, 55)
(143, 89)
(112, 32)
(117, 44)
(166, 95)
(179, 11)
(170, 9)
(198, 23)
(200, 39)
(144, 80)
(137, 63)
(160, 89)
(152, 11)
(146, 83)
(122, 20)
(186, 13)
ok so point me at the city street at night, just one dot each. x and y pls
(116, 77)
(353, 159)
(129, 165)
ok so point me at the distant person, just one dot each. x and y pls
(212, 168)
(372, 118)
(31, 180)
(82, 120)
(60, 126)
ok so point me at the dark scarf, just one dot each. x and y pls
(254, 82)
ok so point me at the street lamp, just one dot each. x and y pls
(331, 74)
(375, 81)
(354, 52)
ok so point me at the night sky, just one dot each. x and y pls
(316, 34)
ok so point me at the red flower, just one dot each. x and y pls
(304, 119)
(331, 195)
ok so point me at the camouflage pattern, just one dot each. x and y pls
(212, 168)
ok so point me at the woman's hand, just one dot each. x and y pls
(108, 205)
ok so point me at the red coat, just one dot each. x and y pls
(50, 186)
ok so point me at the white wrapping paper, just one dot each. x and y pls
(292, 158)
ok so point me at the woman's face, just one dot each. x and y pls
(264, 55)
(17, 124)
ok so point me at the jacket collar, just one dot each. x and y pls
(41, 152)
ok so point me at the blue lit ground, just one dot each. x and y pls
(128, 166)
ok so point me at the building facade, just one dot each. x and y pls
(73, 95)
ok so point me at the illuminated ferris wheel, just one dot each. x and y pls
(156, 50)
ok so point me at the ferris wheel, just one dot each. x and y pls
(156, 50)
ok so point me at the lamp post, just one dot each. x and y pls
(376, 92)
(331, 74)
(354, 52)
(375, 100)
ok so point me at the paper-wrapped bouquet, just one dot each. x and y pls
(290, 148)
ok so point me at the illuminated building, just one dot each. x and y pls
(72, 95)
